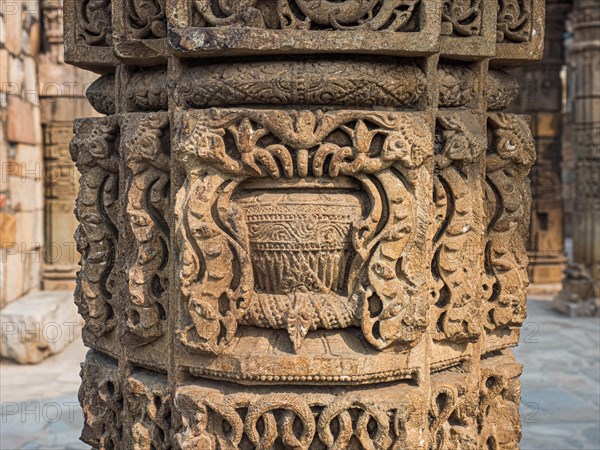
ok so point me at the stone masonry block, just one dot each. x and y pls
(38, 325)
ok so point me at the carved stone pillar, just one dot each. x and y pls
(303, 224)
(541, 96)
(581, 287)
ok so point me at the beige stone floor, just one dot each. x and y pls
(560, 408)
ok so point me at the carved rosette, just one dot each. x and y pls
(302, 223)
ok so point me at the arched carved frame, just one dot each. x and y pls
(389, 154)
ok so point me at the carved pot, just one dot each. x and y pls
(300, 238)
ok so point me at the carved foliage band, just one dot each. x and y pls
(368, 15)
(144, 151)
(360, 84)
(510, 155)
(460, 143)
(304, 83)
(94, 148)
(297, 421)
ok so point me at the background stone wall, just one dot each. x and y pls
(40, 97)
(21, 192)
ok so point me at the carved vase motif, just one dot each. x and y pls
(301, 239)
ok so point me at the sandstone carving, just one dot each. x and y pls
(316, 243)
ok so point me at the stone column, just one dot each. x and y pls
(62, 100)
(541, 96)
(302, 224)
(581, 287)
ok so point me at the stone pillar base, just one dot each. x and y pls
(585, 308)
(544, 289)
(546, 269)
(59, 279)
(579, 295)
(38, 325)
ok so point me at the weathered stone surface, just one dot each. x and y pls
(293, 249)
(40, 324)
(17, 112)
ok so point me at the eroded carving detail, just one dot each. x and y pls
(101, 394)
(147, 19)
(95, 22)
(501, 89)
(499, 403)
(94, 149)
(508, 202)
(144, 149)
(101, 94)
(367, 15)
(456, 85)
(461, 17)
(148, 407)
(147, 90)
(453, 412)
(457, 262)
(514, 21)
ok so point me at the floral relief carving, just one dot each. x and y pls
(147, 19)
(95, 22)
(94, 149)
(293, 420)
(309, 82)
(514, 21)
(148, 407)
(508, 161)
(365, 15)
(461, 17)
(316, 151)
(144, 145)
(459, 144)
(101, 390)
(303, 222)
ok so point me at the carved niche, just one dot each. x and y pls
(323, 243)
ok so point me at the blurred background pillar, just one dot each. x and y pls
(62, 99)
(579, 296)
(541, 97)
